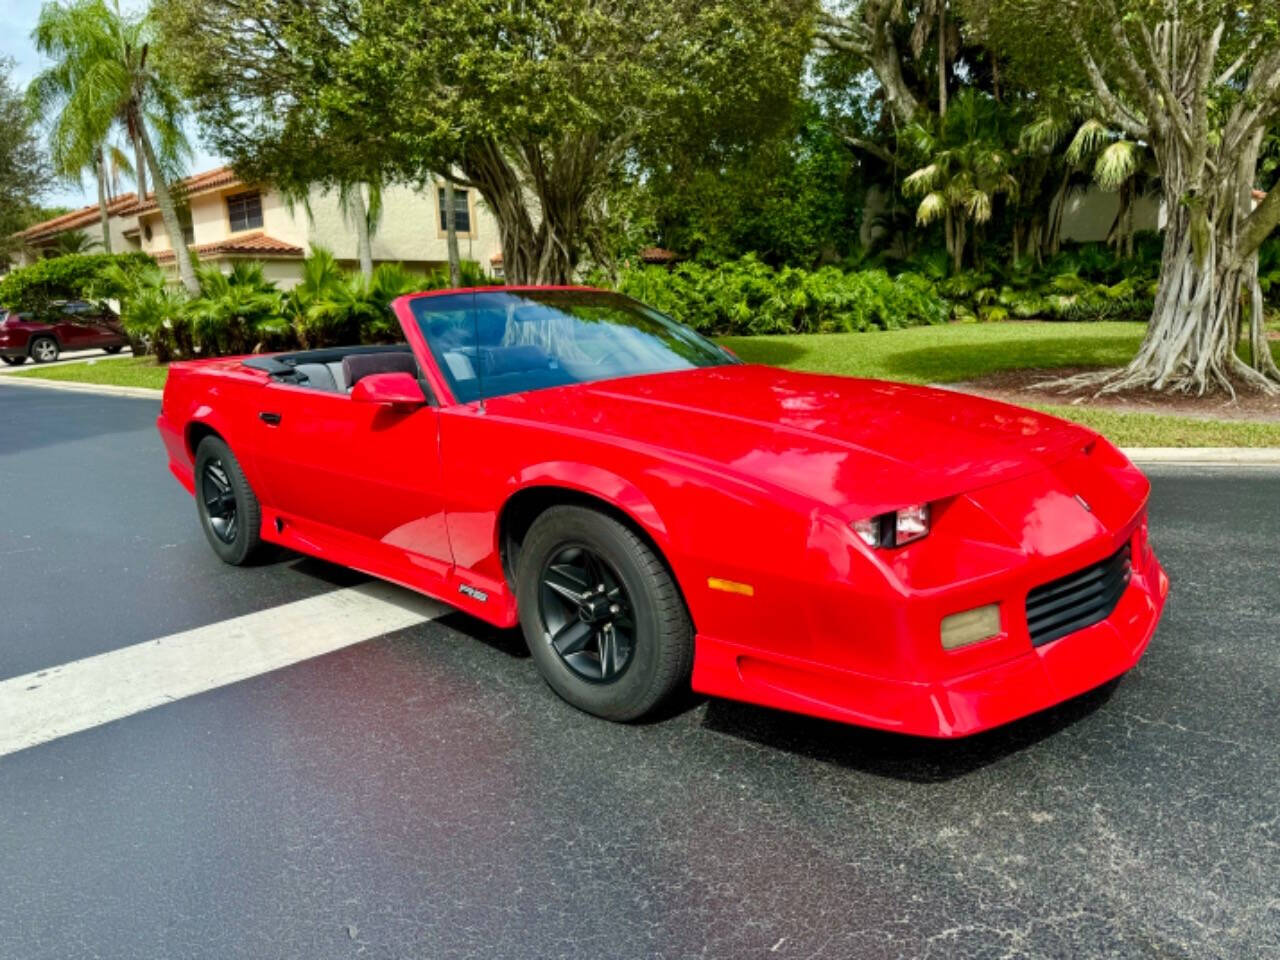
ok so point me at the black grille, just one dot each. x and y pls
(1077, 600)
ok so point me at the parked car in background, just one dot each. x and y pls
(77, 326)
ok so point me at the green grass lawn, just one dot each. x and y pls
(947, 354)
(944, 354)
(124, 372)
(956, 352)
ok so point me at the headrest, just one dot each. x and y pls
(357, 366)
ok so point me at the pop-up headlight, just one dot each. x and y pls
(894, 529)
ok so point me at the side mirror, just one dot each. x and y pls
(395, 389)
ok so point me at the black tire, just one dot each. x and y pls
(44, 350)
(659, 655)
(229, 511)
(14, 361)
(113, 350)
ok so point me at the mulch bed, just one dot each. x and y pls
(1026, 386)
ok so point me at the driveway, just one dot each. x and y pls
(422, 793)
(70, 356)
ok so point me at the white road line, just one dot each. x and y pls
(52, 703)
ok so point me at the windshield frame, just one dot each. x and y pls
(411, 310)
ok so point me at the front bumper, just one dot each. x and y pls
(955, 706)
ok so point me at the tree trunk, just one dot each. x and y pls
(169, 215)
(542, 254)
(451, 233)
(140, 170)
(1191, 341)
(961, 240)
(359, 213)
(949, 233)
(103, 214)
(942, 58)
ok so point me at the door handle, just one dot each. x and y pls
(269, 418)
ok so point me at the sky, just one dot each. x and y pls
(17, 19)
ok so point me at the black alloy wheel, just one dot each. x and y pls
(604, 619)
(219, 500)
(587, 614)
(229, 511)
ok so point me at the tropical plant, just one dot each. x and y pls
(357, 309)
(966, 166)
(239, 311)
(73, 241)
(104, 77)
(748, 297)
(152, 310)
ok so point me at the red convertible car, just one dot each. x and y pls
(653, 512)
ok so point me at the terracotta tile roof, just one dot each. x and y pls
(197, 183)
(76, 219)
(249, 244)
(1259, 194)
(657, 255)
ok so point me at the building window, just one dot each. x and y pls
(245, 211)
(461, 211)
(188, 230)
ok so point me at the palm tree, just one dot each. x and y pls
(74, 241)
(967, 167)
(237, 312)
(1116, 164)
(103, 77)
(364, 214)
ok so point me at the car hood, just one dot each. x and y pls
(861, 445)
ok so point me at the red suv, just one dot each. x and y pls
(80, 326)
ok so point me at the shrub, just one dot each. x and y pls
(238, 312)
(331, 306)
(75, 276)
(153, 312)
(748, 297)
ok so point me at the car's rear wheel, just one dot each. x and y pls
(44, 349)
(115, 349)
(603, 617)
(229, 511)
(14, 361)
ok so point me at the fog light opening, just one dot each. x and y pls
(971, 626)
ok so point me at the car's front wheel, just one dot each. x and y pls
(229, 511)
(113, 350)
(603, 617)
(44, 349)
(14, 361)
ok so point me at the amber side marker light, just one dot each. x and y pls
(731, 586)
(972, 626)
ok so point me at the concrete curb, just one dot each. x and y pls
(102, 389)
(1190, 456)
(1206, 456)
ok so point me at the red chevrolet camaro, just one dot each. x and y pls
(653, 512)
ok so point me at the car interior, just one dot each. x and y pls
(336, 369)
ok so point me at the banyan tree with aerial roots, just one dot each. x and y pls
(1199, 82)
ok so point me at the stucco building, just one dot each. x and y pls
(226, 219)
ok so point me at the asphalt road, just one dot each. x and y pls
(423, 794)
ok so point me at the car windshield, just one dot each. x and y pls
(490, 344)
